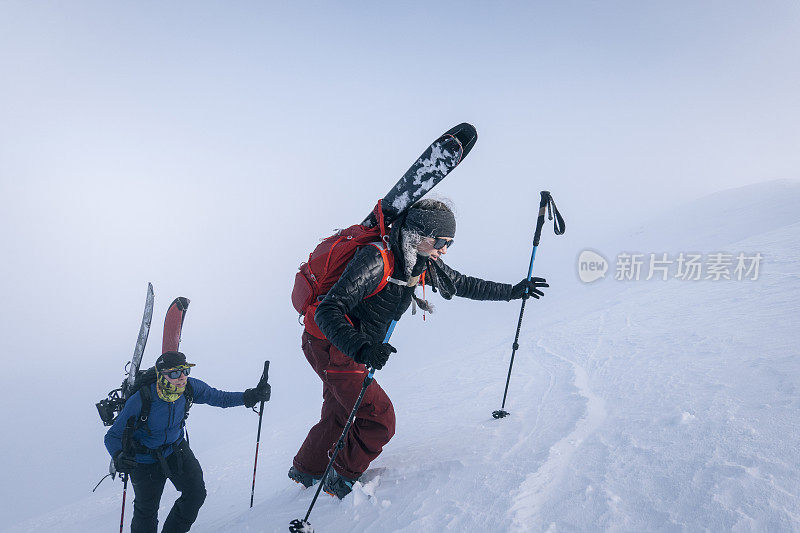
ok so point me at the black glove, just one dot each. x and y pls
(124, 463)
(518, 290)
(375, 355)
(260, 393)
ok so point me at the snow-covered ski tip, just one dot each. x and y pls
(436, 162)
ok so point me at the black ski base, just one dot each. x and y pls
(500, 413)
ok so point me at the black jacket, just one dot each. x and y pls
(372, 316)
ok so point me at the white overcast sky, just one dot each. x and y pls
(204, 146)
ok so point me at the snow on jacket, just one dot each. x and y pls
(165, 420)
(350, 321)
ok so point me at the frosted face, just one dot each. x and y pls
(425, 247)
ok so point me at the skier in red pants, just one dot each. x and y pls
(352, 323)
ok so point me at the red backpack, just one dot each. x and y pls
(327, 262)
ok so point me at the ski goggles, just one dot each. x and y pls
(441, 242)
(176, 373)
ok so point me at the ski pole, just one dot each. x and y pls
(546, 204)
(304, 526)
(124, 493)
(264, 378)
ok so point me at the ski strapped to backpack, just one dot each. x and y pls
(108, 408)
(173, 324)
(327, 262)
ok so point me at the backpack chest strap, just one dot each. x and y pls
(412, 281)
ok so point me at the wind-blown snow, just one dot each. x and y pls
(634, 406)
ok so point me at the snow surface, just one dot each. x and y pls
(660, 406)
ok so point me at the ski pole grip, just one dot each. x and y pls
(265, 375)
(545, 199)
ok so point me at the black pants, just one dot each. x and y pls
(148, 485)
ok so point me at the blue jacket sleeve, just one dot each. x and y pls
(203, 393)
(113, 438)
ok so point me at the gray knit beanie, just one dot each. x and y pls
(431, 222)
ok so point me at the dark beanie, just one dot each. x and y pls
(431, 222)
(171, 360)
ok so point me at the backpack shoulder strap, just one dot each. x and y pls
(388, 266)
(144, 413)
(188, 395)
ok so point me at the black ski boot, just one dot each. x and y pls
(302, 478)
(338, 485)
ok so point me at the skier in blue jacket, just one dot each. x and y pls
(147, 441)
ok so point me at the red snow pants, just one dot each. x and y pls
(342, 379)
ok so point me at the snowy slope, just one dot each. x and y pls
(720, 219)
(640, 406)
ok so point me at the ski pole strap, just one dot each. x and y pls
(559, 226)
(547, 205)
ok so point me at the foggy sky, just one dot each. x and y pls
(205, 147)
